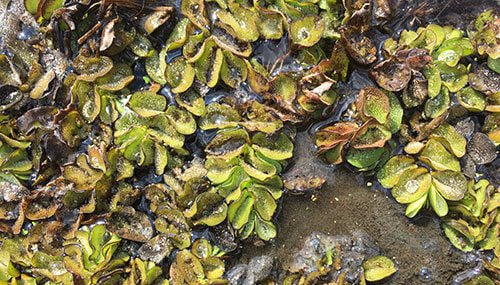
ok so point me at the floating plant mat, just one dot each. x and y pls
(150, 142)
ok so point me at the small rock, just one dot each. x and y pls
(223, 237)
(485, 80)
(156, 249)
(130, 224)
(465, 127)
(481, 149)
(468, 166)
(304, 184)
(237, 274)
(260, 267)
(12, 192)
(257, 269)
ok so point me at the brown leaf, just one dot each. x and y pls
(370, 135)
(108, 35)
(359, 46)
(41, 205)
(391, 74)
(416, 58)
(41, 116)
(331, 136)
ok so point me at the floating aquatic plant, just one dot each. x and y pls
(473, 220)
(378, 116)
(244, 171)
(130, 129)
(200, 265)
(90, 255)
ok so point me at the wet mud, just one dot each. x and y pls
(345, 204)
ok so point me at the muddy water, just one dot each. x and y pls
(346, 204)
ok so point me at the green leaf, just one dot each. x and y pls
(209, 64)
(454, 78)
(438, 32)
(192, 102)
(435, 107)
(161, 158)
(374, 103)
(182, 120)
(214, 267)
(186, 268)
(257, 167)
(277, 146)
(208, 209)
(494, 64)
(7, 270)
(471, 99)
(265, 230)
(194, 10)
(89, 101)
(378, 268)
(450, 138)
(231, 189)
(141, 46)
(391, 172)
(239, 211)
(147, 103)
(437, 201)
(180, 75)
(433, 77)
(117, 78)
(436, 155)
(242, 20)
(364, 158)
(156, 66)
(480, 280)
(31, 6)
(371, 135)
(178, 36)
(90, 68)
(452, 185)
(456, 237)
(49, 6)
(413, 184)
(219, 169)
(395, 113)
(307, 31)
(161, 130)
(271, 25)
(414, 207)
(249, 228)
(265, 205)
(219, 116)
(233, 70)
(228, 143)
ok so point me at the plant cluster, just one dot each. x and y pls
(409, 129)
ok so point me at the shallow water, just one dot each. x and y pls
(344, 205)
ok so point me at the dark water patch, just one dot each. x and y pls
(139, 70)
(169, 95)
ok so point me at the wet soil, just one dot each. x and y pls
(345, 204)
